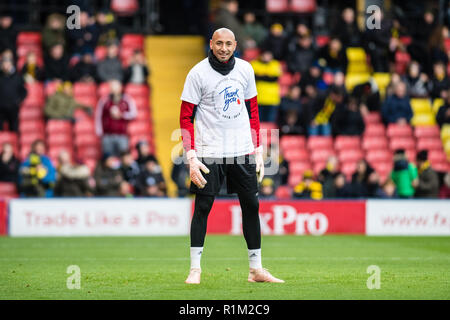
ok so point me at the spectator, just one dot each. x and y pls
(387, 191)
(313, 78)
(267, 188)
(421, 34)
(8, 33)
(396, 108)
(444, 192)
(12, 93)
(377, 43)
(108, 176)
(83, 39)
(443, 114)
(347, 119)
(362, 180)
(130, 169)
(37, 175)
(428, 186)
(180, 175)
(106, 27)
(84, 70)
(112, 116)
(333, 57)
(73, 179)
(151, 182)
(144, 154)
(436, 46)
(125, 190)
(368, 96)
(253, 29)
(404, 175)
(267, 72)
(308, 188)
(417, 81)
(301, 56)
(276, 42)
(291, 123)
(9, 164)
(323, 110)
(283, 169)
(53, 32)
(62, 105)
(327, 174)
(226, 18)
(137, 71)
(31, 71)
(56, 64)
(440, 81)
(111, 68)
(341, 189)
(347, 30)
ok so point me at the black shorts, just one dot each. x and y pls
(240, 173)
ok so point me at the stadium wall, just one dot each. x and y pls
(170, 217)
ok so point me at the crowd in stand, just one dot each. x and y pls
(69, 57)
(314, 105)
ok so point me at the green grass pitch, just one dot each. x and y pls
(326, 267)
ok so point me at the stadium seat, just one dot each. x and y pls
(372, 117)
(60, 140)
(427, 132)
(356, 54)
(402, 143)
(437, 104)
(131, 40)
(420, 105)
(50, 88)
(292, 141)
(423, 119)
(383, 169)
(26, 126)
(26, 139)
(319, 166)
(125, 55)
(445, 132)
(299, 166)
(24, 152)
(283, 192)
(31, 112)
(328, 77)
(35, 94)
(302, 6)
(437, 156)
(103, 89)
(353, 79)
(10, 137)
(441, 166)
(143, 115)
(83, 88)
(276, 6)
(402, 60)
(286, 79)
(8, 189)
(86, 100)
(429, 144)
(374, 130)
(375, 143)
(347, 142)
(319, 142)
(89, 152)
(406, 40)
(24, 49)
(138, 127)
(399, 130)
(251, 54)
(352, 155)
(294, 179)
(100, 53)
(411, 155)
(29, 38)
(59, 126)
(134, 139)
(321, 155)
(382, 79)
(87, 139)
(124, 7)
(348, 168)
(86, 126)
(137, 90)
(296, 154)
(322, 40)
(375, 156)
(142, 102)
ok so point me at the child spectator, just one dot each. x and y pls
(73, 179)
(31, 71)
(9, 164)
(130, 169)
(404, 175)
(308, 188)
(267, 189)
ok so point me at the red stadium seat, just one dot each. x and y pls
(383, 168)
(83, 88)
(402, 143)
(427, 131)
(321, 155)
(59, 126)
(375, 142)
(283, 192)
(429, 143)
(274, 6)
(295, 154)
(89, 152)
(286, 79)
(100, 53)
(24, 152)
(402, 60)
(143, 115)
(50, 88)
(137, 90)
(33, 113)
(131, 40)
(374, 129)
(87, 139)
(298, 167)
(125, 55)
(441, 166)
(87, 100)
(294, 179)
(27, 126)
(319, 166)
(142, 102)
(8, 189)
(86, 126)
(55, 151)
(124, 7)
(251, 54)
(347, 142)
(411, 155)
(134, 139)
(375, 156)
(437, 156)
(348, 168)
(103, 89)
(138, 127)
(60, 140)
(10, 137)
(29, 38)
(26, 139)
(399, 130)
(292, 141)
(322, 40)
(319, 142)
(303, 6)
(406, 40)
(350, 155)
(35, 94)
(372, 117)
(24, 49)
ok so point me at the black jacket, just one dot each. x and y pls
(12, 90)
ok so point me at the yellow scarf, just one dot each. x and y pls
(424, 166)
(325, 113)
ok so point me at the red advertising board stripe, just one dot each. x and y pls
(3, 216)
(292, 217)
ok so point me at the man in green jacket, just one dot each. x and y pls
(404, 175)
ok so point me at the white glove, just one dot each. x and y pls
(259, 163)
(194, 169)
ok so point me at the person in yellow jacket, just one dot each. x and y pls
(308, 188)
(267, 73)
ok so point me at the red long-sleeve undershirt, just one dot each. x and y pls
(187, 115)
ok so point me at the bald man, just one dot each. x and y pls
(220, 94)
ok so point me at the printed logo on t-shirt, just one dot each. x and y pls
(228, 98)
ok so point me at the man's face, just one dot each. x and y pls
(223, 45)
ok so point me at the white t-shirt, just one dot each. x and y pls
(222, 125)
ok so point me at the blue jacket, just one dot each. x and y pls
(50, 177)
(395, 108)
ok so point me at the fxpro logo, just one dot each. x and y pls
(315, 223)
